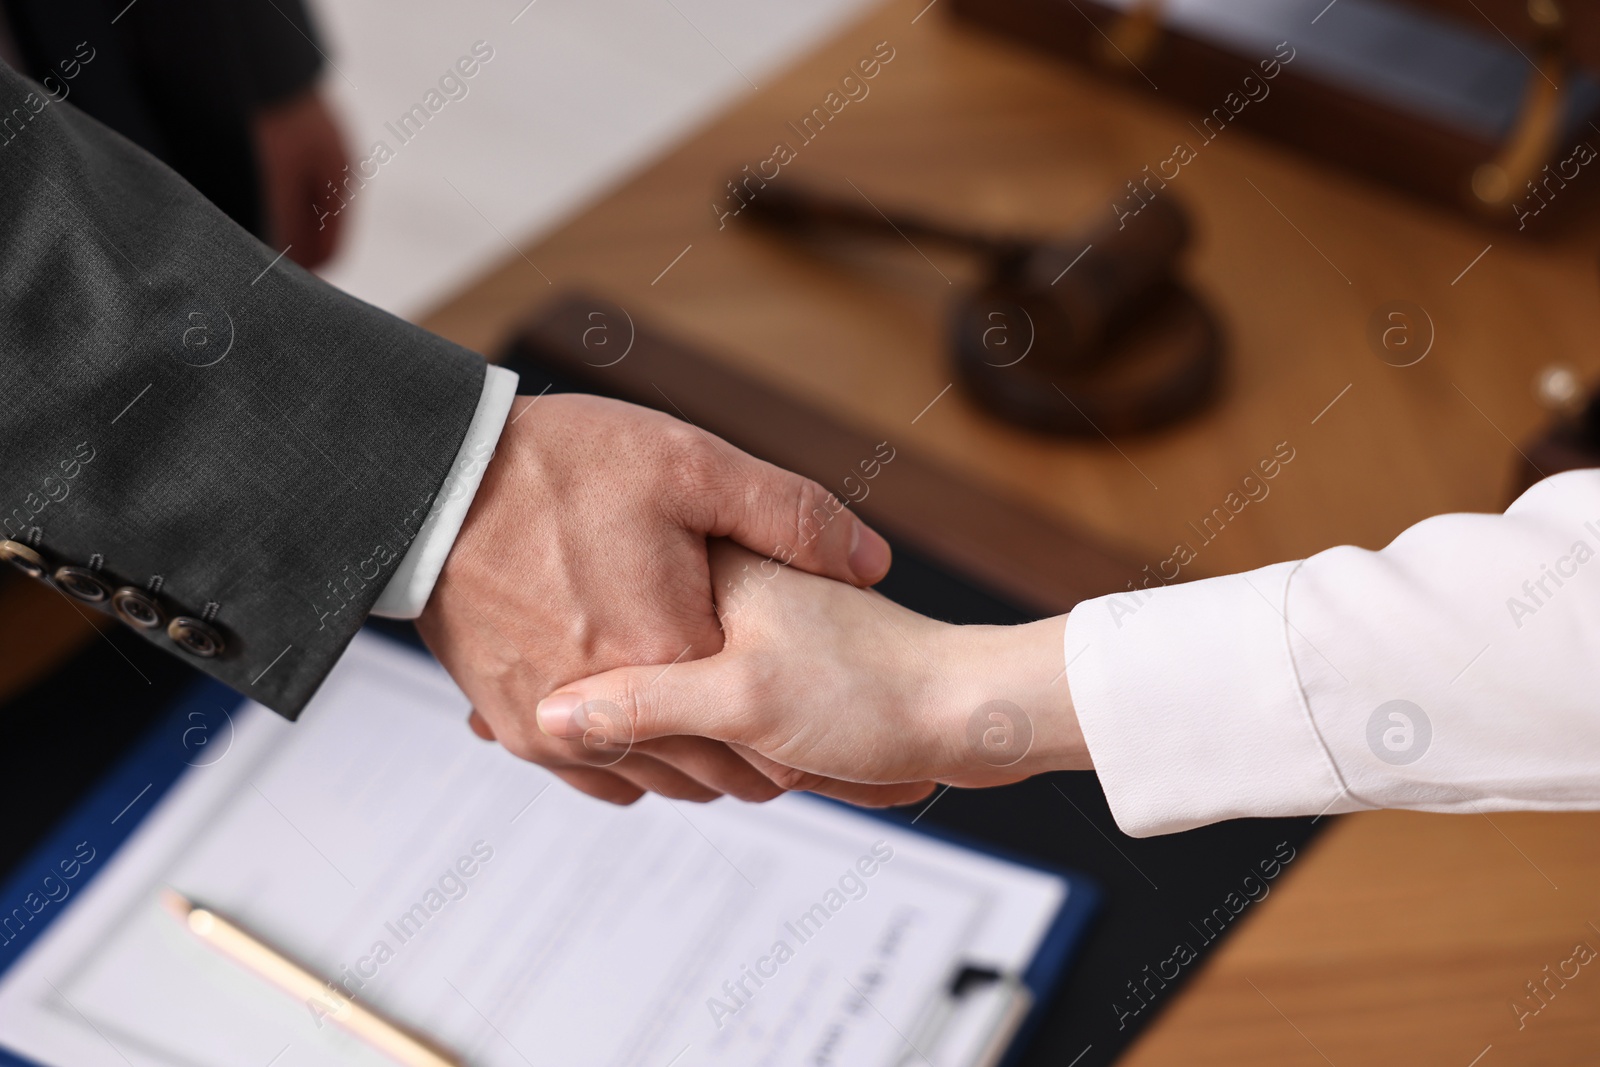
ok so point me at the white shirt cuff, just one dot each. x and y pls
(1191, 708)
(408, 591)
(1454, 670)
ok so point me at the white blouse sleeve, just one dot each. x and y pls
(1456, 670)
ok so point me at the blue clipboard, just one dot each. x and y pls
(1057, 950)
(111, 812)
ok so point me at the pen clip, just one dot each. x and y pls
(1009, 1006)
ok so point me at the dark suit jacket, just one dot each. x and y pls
(194, 426)
(179, 78)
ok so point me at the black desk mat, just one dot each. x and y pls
(1160, 893)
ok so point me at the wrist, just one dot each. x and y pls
(1012, 714)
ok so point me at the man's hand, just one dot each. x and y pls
(300, 152)
(844, 682)
(585, 550)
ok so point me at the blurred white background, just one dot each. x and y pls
(578, 94)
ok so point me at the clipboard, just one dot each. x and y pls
(195, 734)
(1042, 979)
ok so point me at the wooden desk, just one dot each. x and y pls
(1401, 938)
(965, 126)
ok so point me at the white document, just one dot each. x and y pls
(477, 899)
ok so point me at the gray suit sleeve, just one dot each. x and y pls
(195, 434)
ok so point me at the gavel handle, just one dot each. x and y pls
(1133, 254)
(799, 208)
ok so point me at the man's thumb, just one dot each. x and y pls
(794, 520)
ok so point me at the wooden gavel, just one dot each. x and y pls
(1086, 334)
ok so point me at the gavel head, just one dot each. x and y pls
(1093, 334)
(1080, 290)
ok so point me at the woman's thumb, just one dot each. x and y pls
(631, 704)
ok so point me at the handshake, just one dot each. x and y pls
(640, 607)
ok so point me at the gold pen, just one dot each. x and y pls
(253, 954)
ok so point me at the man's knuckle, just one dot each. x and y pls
(765, 796)
(694, 473)
(687, 451)
(692, 792)
(521, 744)
(791, 779)
(614, 791)
(758, 792)
(814, 509)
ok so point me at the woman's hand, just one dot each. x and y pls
(829, 679)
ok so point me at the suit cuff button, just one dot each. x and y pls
(24, 559)
(80, 583)
(195, 637)
(137, 608)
